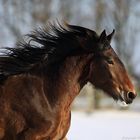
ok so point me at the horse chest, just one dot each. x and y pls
(63, 127)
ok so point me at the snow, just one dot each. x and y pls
(105, 125)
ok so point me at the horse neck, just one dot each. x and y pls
(62, 85)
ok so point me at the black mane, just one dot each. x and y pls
(43, 47)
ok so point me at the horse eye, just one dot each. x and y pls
(110, 61)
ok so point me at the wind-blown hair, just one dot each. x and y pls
(45, 46)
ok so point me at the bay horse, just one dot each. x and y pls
(42, 75)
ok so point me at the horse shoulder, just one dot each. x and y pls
(26, 106)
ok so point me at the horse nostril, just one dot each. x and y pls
(131, 95)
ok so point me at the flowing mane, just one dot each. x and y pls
(44, 46)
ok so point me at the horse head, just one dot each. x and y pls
(107, 72)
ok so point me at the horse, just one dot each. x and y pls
(41, 76)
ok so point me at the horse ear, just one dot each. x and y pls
(109, 37)
(102, 37)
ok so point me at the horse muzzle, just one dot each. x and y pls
(128, 97)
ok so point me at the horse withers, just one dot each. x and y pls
(41, 77)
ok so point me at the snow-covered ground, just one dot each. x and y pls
(105, 125)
